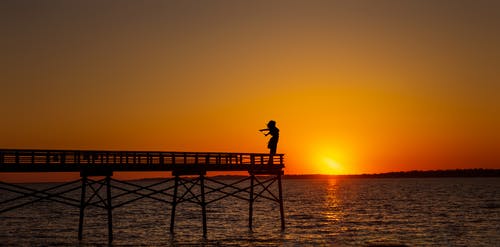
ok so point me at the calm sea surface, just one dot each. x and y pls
(324, 212)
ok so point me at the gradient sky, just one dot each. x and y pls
(355, 86)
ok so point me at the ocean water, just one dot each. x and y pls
(320, 212)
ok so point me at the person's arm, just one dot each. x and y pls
(265, 130)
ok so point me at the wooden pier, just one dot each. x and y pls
(188, 181)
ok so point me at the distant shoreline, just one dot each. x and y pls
(459, 173)
(462, 173)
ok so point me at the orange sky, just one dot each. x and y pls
(355, 86)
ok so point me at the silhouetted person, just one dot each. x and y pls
(273, 142)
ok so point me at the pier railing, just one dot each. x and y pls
(133, 158)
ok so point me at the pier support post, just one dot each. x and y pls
(203, 204)
(282, 212)
(82, 207)
(174, 204)
(101, 201)
(250, 203)
(109, 207)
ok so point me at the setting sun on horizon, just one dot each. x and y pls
(354, 86)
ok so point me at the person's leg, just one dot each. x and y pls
(272, 152)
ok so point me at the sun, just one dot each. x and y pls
(330, 166)
(331, 159)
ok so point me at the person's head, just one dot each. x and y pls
(271, 124)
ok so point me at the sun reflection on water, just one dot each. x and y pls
(333, 203)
